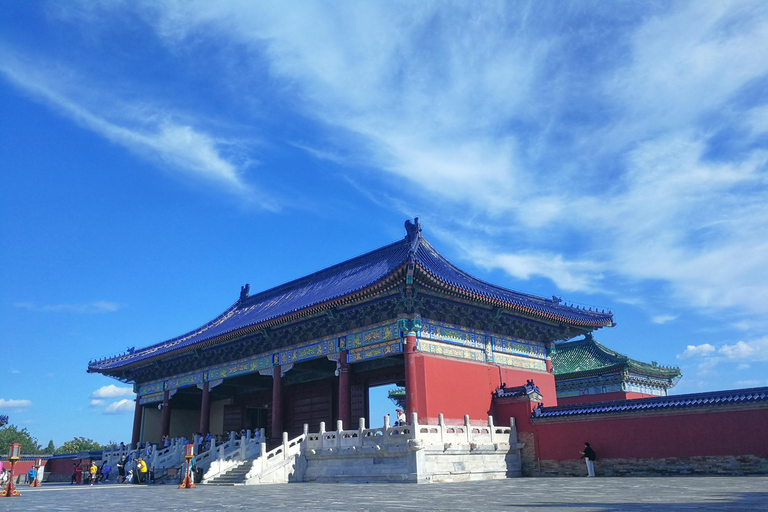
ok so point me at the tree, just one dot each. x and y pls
(11, 434)
(79, 444)
(51, 448)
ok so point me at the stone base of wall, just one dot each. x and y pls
(726, 465)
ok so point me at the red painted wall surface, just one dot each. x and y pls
(734, 432)
(21, 467)
(604, 397)
(456, 387)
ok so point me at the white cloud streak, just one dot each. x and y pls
(89, 307)
(149, 132)
(124, 406)
(112, 391)
(15, 404)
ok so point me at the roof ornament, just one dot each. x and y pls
(412, 229)
(556, 300)
(244, 291)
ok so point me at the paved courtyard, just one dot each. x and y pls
(536, 494)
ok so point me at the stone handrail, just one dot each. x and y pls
(276, 456)
(221, 458)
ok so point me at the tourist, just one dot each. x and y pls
(121, 470)
(143, 470)
(589, 456)
(106, 469)
(31, 474)
(75, 472)
(400, 418)
(94, 472)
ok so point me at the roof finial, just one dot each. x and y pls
(244, 291)
(413, 229)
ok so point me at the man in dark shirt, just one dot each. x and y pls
(589, 456)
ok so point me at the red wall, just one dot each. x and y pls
(457, 387)
(603, 397)
(729, 432)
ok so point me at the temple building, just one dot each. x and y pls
(308, 351)
(586, 371)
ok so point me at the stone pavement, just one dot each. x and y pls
(536, 494)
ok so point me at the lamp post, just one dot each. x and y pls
(14, 454)
(189, 454)
(36, 480)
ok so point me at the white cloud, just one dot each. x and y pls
(96, 403)
(112, 391)
(15, 404)
(15, 371)
(98, 306)
(755, 350)
(124, 406)
(150, 132)
(697, 350)
(748, 383)
(663, 319)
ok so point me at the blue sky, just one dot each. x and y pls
(158, 155)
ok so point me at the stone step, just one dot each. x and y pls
(235, 476)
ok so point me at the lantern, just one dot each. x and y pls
(14, 451)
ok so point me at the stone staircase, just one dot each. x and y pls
(235, 476)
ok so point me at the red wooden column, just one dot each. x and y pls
(205, 409)
(277, 403)
(165, 422)
(411, 379)
(137, 413)
(344, 390)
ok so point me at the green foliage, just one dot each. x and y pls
(12, 434)
(51, 448)
(78, 444)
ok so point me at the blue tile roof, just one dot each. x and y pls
(676, 402)
(345, 282)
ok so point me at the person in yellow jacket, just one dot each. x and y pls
(94, 472)
(143, 469)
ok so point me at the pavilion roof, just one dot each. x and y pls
(588, 357)
(346, 282)
(758, 396)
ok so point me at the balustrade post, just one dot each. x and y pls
(492, 429)
(386, 422)
(243, 444)
(512, 431)
(467, 428)
(263, 456)
(306, 429)
(285, 445)
(362, 430)
(441, 425)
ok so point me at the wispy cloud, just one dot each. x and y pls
(96, 403)
(663, 319)
(124, 406)
(15, 404)
(112, 391)
(151, 132)
(618, 153)
(696, 350)
(89, 307)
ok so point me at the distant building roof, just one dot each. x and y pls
(587, 357)
(689, 401)
(346, 282)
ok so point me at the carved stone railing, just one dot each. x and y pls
(221, 458)
(285, 453)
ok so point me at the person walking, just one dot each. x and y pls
(94, 472)
(589, 456)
